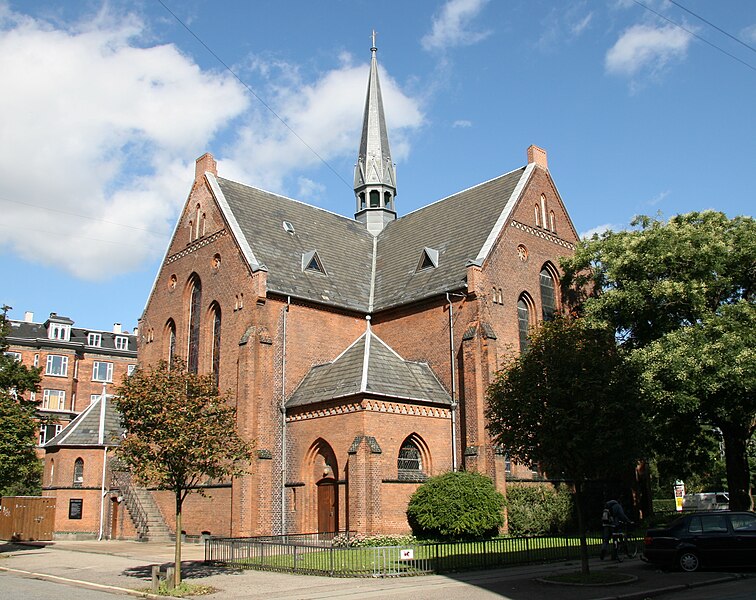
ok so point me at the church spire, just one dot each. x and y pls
(374, 175)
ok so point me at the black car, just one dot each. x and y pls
(704, 539)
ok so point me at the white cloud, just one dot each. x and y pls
(647, 48)
(325, 113)
(660, 197)
(451, 26)
(749, 33)
(462, 123)
(563, 25)
(95, 133)
(101, 131)
(599, 229)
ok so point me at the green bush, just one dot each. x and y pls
(664, 505)
(538, 509)
(359, 540)
(456, 506)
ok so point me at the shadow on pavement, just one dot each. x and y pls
(193, 569)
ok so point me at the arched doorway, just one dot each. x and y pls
(328, 506)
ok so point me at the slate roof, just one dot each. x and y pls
(35, 334)
(363, 272)
(369, 366)
(84, 430)
(344, 246)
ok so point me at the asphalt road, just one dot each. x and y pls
(13, 587)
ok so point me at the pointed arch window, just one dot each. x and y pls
(410, 461)
(548, 294)
(537, 211)
(78, 474)
(375, 199)
(195, 306)
(216, 342)
(543, 212)
(171, 331)
(524, 314)
(552, 221)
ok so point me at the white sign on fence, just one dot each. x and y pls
(406, 554)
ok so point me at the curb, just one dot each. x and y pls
(80, 583)
(672, 588)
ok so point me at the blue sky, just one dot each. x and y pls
(107, 105)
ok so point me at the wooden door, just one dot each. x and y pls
(114, 518)
(328, 508)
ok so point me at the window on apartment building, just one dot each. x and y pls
(195, 307)
(59, 331)
(94, 398)
(14, 355)
(94, 339)
(130, 370)
(78, 478)
(121, 343)
(53, 400)
(48, 432)
(57, 365)
(102, 371)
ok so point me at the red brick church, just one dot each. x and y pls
(358, 349)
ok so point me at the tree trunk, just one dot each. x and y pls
(738, 471)
(177, 556)
(584, 569)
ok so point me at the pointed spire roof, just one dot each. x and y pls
(99, 425)
(374, 165)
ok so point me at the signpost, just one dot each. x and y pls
(679, 495)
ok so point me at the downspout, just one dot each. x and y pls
(101, 441)
(283, 419)
(453, 384)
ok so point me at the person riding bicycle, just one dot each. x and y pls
(611, 518)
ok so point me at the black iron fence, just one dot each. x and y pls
(314, 554)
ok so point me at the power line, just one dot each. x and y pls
(73, 214)
(720, 30)
(648, 8)
(251, 91)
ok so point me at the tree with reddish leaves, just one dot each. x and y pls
(180, 433)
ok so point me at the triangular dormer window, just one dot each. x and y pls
(311, 262)
(428, 259)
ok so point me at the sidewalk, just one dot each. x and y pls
(127, 565)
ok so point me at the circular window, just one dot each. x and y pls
(522, 253)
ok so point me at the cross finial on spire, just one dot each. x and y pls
(374, 48)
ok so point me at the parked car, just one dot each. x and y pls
(704, 539)
(706, 501)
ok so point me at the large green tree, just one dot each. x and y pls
(569, 405)
(652, 283)
(20, 469)
(707, 373)
(180, 432)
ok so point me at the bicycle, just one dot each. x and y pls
(622, 545)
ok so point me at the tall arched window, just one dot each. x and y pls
(552, 221)
(195, 304)
(548, 294)
(523, 322)
(78, 474)
(537, 210)
(171, 335)
(543, 212)
(216, 342)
